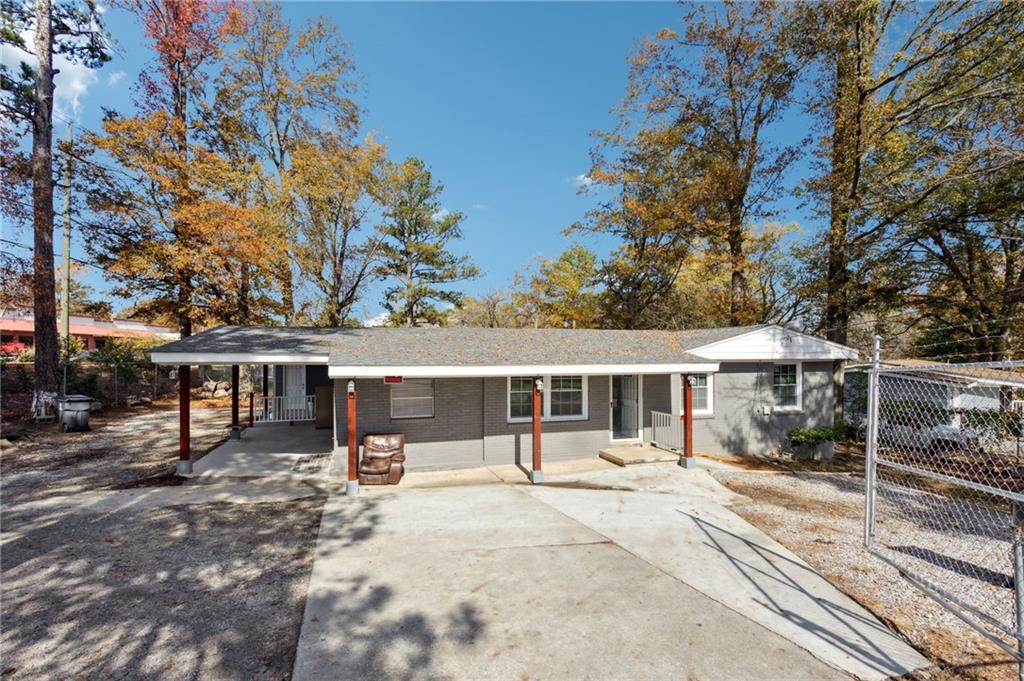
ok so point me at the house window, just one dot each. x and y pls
(702, 388)
(564, 398)
(786, 386)
(520, 397)
(413, 399)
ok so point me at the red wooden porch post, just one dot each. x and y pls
(537, 475)
(266, 388)
(251, 412)
(234, 400)
(687, 461)
(352, 485)
(184, 419)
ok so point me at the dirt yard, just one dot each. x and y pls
(135, 447)
(819, 516)
(209, 590)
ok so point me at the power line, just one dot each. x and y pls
(73, 259)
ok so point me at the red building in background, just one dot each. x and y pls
(17, 331)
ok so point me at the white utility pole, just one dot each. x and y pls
(65, 289)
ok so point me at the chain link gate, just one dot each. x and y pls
(945, 487)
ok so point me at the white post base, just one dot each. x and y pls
(537, 477)
(351, 487)
(687, 462)
(185, 467)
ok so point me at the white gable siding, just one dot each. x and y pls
(774, 343)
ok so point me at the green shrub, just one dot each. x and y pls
(83, 383)
(817, 436)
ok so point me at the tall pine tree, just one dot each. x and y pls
(417, 233)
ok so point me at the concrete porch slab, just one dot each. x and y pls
(270, 450)
(631, 455)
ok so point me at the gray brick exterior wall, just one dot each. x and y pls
(470, 426)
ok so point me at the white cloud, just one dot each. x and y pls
(115, 77)
(378, 320)
(71, 84)
(441, 213)
(582, 181)
(479, 206)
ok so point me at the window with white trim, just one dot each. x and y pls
(564, 398)
(786, 386)
(520, 397)
(413, 398)
(702, 392)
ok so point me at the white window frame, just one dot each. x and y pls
(546, 401)
(799, 406)
(710, 411)
(391, 399)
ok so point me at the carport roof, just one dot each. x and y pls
(449, 351)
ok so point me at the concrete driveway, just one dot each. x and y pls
(618, 574)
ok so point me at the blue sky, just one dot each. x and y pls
(499, 99)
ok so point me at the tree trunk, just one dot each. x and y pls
(844, 182)
(287, 291)
(738, 284)
(43, 288)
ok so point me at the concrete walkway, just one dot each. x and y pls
(609, 573)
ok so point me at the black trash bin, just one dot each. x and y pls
(74, 412)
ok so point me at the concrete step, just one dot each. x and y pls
(630, 455)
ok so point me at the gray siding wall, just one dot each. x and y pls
(742, 390)
(657, 394)
(469, 427)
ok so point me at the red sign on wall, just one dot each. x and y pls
(392, 379)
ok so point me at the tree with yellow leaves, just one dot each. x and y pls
(706, 98)
(332, 183)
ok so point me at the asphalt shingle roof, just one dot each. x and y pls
(458, 346)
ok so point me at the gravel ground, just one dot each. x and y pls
(819, 516)
(128, 448)
(200, 591)
(215, 591)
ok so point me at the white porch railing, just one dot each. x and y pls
(666, 431)
(286, 408)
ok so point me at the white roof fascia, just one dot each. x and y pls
(181, 358)
(453, 371)
(770, 347)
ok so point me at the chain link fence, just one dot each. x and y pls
(112, 384)
(945, 486)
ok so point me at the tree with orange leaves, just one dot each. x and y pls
(173, 224)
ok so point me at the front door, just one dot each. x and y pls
(294, 380)
(626, 407)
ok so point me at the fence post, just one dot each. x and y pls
(1018, 580)
(871, 443)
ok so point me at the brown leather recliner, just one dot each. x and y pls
(381, 463)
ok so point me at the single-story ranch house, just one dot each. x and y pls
(476, 396)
